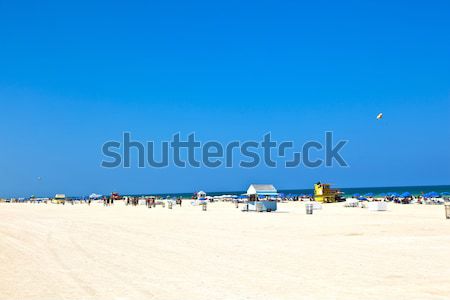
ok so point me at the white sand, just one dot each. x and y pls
(81, 252)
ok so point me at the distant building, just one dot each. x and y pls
(262, 197)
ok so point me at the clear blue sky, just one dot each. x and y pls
(73, 76)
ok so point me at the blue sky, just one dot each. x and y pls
(74, 75)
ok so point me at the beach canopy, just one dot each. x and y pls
(432, 195)
(406, 195)
(201, 194)
(94, 196)
(262, 189)
(362, 199)
(267, 194)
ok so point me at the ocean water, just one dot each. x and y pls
(348, 192)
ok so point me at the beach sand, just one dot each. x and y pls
(80, 252)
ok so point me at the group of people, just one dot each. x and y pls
(149, 201)
(134, 201)
(107, 201)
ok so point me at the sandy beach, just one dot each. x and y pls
(119, 252)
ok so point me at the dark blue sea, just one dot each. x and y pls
(415, 190)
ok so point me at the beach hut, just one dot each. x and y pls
(59, 199)
(262, 197)
(325, 194)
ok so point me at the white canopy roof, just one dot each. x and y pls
(261, 189)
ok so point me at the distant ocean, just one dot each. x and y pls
(348, 192)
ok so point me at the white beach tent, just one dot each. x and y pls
(94, 196)
(201, 195)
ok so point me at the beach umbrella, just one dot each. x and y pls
(445, 194)
(356, 195)
(95, 196)
(433, 195)
(362, 199)
(383, 195)
(394, 194)
(369, 195)
(406, 195)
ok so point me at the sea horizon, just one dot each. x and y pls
(348, 191)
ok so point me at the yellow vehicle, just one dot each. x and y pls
(59, 199)
(325, 194)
